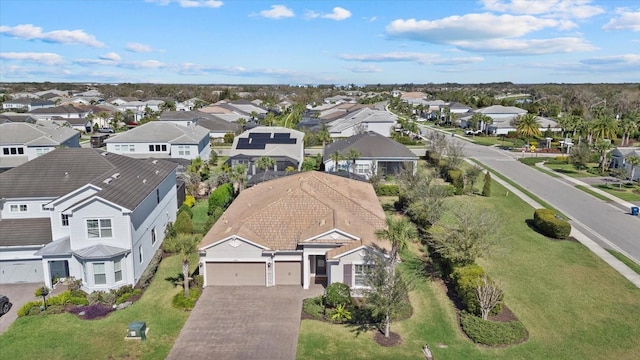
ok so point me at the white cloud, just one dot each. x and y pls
(41, 58)
(277, 12)
(145, 64)
(189, 3)
(421, 58)
(371, 19)
(369, 68)
(469, 27)
(527, 46)
(458, 60)
(626, 20)
(626, 59)
(139, 48)
(30, 32)
(338, 14)
(573, 9)
(111, 57)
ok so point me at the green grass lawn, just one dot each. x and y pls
(635, 267)
(623, 193)
(64, 336)
(573, 304)
(200, 216)
(593, 193)
(570, 170)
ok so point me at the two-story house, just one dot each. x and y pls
(84, 213)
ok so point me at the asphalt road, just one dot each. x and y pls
(609, 225)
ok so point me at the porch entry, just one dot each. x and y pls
(59, 269)
(319, 265)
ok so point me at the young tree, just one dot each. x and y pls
(386, 290)
(399, 233)
(455, 153)
(471, 234)
(353, 155)
(183, 224)
(184, 245)
(265, 163)
(489, 294)
(470, 177)
(580, 155)
(336, 157)
(602, 147)
(239, 176)
(486, 188)
(634, 161)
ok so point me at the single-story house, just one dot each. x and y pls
(301, 229)
(619, 158)
(285, 146)
(27, 104)
(362, 120)
(84, 213)
(377, 153)
(21, 142)
(503, 126)
(162, 140)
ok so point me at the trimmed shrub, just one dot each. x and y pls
(452, 174)
(388, 190)
(150, 271)
(313, 307)
(101, 297)
(448, 190)
(183, 223)
(547, 223)
(486, 188)
(92, 311)
(492, 333)
(189, 200)
(466, 279)
(186, 208)
(30, 308)
(197, 281)
(221, 197)
(181, 302)
(338, 294)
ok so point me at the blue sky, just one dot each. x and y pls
(320, 42)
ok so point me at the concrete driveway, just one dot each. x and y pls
(18, 294)
(242, 323)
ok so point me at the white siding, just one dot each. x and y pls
(33, 209)
(97, 209)
(233, 249)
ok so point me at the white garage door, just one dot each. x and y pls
(234, 274)
(288, 273)
(21, 271)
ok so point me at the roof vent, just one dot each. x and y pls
(154, 162)
(104, 153)
(144, 181)
(66, 174)
(116, 175)
(108, 180)
(157, 172)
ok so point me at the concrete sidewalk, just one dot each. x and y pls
(585, 240)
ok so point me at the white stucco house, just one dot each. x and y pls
(361, 120)
(84, 213)
(162, 140)
(619, 157)
(301, 229)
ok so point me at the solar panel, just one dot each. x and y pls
(258, 141)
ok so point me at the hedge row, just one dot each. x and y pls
(388, 190)
(546, 221)
(492, 333)
(465, 279)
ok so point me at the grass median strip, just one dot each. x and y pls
(593, 193)
(523, 190)
(630, 263)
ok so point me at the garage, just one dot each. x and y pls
(288, 273)
(233, 274)
(21, 271)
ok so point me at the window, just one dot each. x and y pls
(42, 151)
(184, 150)
(117, 270)
(19, 208)
(362, 169)
(13, 151)
(125, 148)
(153, 236)
(99, 228)
(64, 219)
(99, 274)
(158, 196)
(359, 274)
(140, 253)
(157, 147)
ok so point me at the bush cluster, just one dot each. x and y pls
(189, 200)
(183, 223)
(388, 190)
(546, 221)
(30, 308)
(221, 197)
(337, 294)
(313, 307)
(492, 333)
(465, 279)
(181, 302)
(186, 208)
(150, 271)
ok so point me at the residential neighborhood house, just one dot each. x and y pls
(84, 213)
(303, 229)
(619, 157)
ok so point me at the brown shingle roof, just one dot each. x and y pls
(282, 213)
(24, 232)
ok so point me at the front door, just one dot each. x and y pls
(321, 265)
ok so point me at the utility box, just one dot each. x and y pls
(137, 330)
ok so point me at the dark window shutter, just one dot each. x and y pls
(347, 274)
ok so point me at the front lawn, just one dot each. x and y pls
(626, 193)
(65, 336)
(571, 170)
(572, 303)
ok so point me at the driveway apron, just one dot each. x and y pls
(242, 323)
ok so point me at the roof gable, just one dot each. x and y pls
(370, 145)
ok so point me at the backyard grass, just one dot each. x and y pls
(573, 304)
(624, 193)
(200, 216)
(593, 193)
(64, 336)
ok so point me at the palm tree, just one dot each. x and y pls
(628, 126)
(528, 126)
(602, 146)
(336, 157)
(265, 163)
(185, 245)
(605, 127)
(633, 160)
(352, 155)
(239, 176)
(168, 106)
(324, 136)
(399, 233)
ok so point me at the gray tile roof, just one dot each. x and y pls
(24, 232)
(15, 117)
(56, 248)
(63, 109)
(34, 135)
(156, 131)
(100, 252)
(499, 109)
(29, 101)
(181, 116)
(216, 124)
(365, 115)
(371, 145)
(62, 171)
